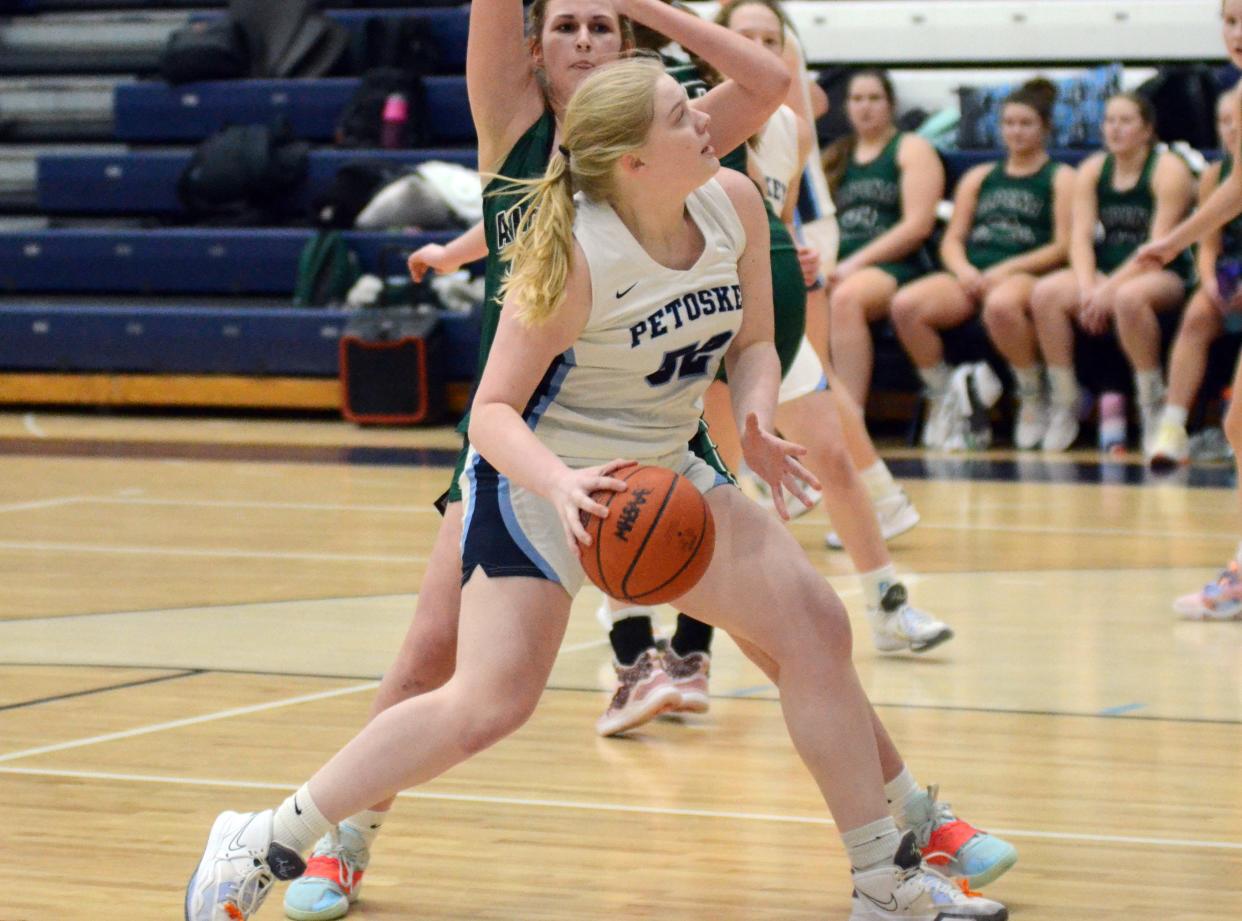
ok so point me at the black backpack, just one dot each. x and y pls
(362, 119)
(244, 175)
(213, 50)
(401, 42)
(1184, 97)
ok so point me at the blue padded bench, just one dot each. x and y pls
(195, 261)
(150, 112)
(145, 182)
(196, 340)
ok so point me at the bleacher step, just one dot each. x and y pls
(91, 43)
(58, 108)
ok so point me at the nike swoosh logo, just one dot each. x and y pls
(236, 844)
(890, 905)
(621, 294)
(295, 806)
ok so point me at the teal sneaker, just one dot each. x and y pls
(332, 879)
(954, 847)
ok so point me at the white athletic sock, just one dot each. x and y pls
(936, 377)
(879, 481)
(618, 611)
(366, 824)
(1174, 415)
(873, 844)
(1063, 385)
(1149, 385)
(876, 583)
(1029, 380)
(298, 823)
(899, 791)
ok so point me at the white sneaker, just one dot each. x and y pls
(1032, 421)
(1170, 448)
(1062, 429)
(910, 890)
(239, 866)
(942, 407)
(897, 626)
(896, 514)
(1149, 417)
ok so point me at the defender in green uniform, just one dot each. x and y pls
(1123, 196)
(1011, 224)
(886, 186)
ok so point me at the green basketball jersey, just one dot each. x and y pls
(1126, 218)
(869, 199)
(1014, 215)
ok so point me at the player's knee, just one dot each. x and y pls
(904, 310)
(1202, 319)
(1048, 297)
(1131, 306)
(485, 720)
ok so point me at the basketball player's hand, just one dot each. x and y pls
(433, 256)
(971, 279)
(808, 260)
(1156, 254)
(1097, 311)
(571, 494)
(844, 270)
(775, 461)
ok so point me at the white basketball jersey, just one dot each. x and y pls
(776, 155)
(632, 385)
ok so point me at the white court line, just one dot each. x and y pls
(32, 426)
(578, 647)
(190, 721)
(42, 503)
(590, 806)
(291, 506)
(219, 552)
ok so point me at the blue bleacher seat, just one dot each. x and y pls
(150, 112)
(190, 339)
(145, 182)
(190, 261)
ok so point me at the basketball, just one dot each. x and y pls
(657, 540)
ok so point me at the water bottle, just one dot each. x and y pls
(392, 126)
(1113, 423)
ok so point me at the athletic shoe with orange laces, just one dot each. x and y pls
(332, 879)
(644, 691)
(239, 866)
(689, 674)
(954, 847)
(1219, 600)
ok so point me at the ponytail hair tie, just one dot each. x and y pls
(564, 150)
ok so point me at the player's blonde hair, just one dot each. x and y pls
(609, 116)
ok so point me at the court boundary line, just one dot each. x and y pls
(188, 721)
(587, 805)
(100, 690)
(724, 697)
(203, 607)
(209, 552)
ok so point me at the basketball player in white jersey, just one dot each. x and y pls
(580, 374)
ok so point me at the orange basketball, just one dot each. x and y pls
(657, 540)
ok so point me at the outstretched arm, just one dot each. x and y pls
(756, 80)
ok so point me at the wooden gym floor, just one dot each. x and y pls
(195, 613)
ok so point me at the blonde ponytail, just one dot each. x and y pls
(609, 116)
(539, 254)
